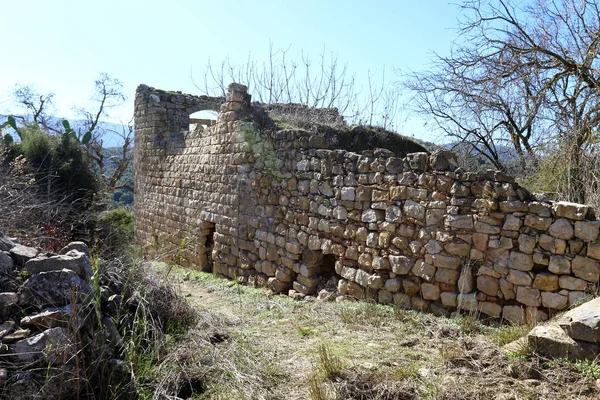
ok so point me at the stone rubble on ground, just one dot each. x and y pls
(40, 324)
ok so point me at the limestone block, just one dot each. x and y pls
(488, 285)
(571, 283)
(587, 230)
(555, 301)
(513, 206)
(552, 341)
(507, 289)
(514, 314)
(430, 291)
(465, 281)
(467, 302)
(385, 297)
(445, 275)
(537, 222)
(410, 287)
(545, 281)
(375, 282)
(401, 265)
(520, 261)
(423, 270)
(529, 296)
(480, 241)
(398, 193)
(442, 261)
(583, 322)
(459, 221)
(373, 216)
(527, 243)
(561, 229)
(348, 194)
(392, 285)
(491, 309)
(571, 211)
(393, 214)
(458, 248)
(594, 250)
(414, 210)
(586, 268)
(401, 300)
(512, 223)
(449, 299)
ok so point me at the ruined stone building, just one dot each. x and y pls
(252, 197)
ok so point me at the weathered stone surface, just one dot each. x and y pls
(6, 243)
(527, 243)
(561, 229)
(449, 299)
(441, 261)
(512, 223)
(54, 288)
(430, 291)
(443, 160)
(401, 265)
(74, 260)
(586, 268)
(520, 261)
(423, 270)
(537, 222)
(520, 278)
(52, 346)
(513, 314)
(552, 341)
(6, 263)
(465, 281)
(459, 221)
(568, 210)
(22, 254)
(490, 309)
(47, 319)
(587, 230)
(467, 302)
(571, 283)
(529, 296)
(488, 285)
(583, 322)
(414, 210)
(559, 265)
(545, 281)
(79, 246)
(445, 275)
(594, 251)
(555, 301)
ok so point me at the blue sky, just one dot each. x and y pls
(62, 46)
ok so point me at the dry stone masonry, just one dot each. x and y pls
(283, 210)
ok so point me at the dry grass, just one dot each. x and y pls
(250, 345)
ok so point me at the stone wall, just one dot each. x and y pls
(282, 210)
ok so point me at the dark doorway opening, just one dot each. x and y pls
(328, 266)
(207, 245)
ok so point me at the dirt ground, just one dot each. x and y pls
(249, 344)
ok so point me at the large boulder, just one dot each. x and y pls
(21, 254)
(551, 340)
(54, 288)
(583, 322)
(73, 260)
(53, 346)
(6, 243)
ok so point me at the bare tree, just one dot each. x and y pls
(522, 75)
(107, 95)
(321, 83)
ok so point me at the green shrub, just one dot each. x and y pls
(115, 232)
